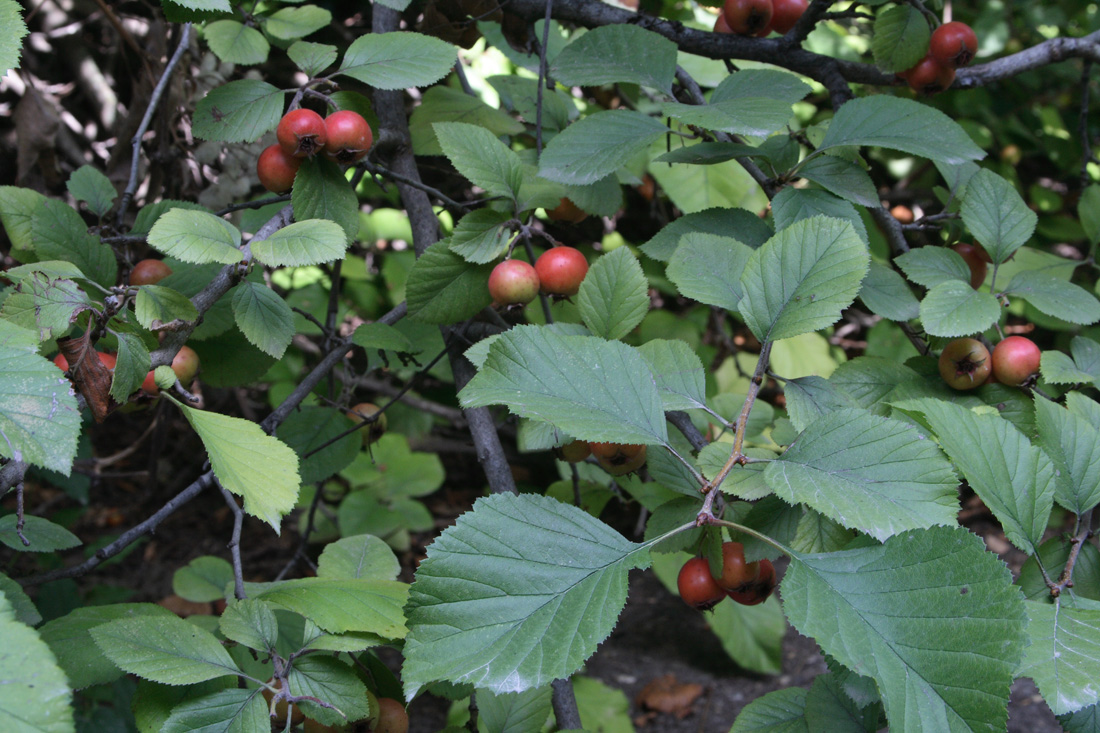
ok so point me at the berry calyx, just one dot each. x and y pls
(149, 272)
(785, 13)
(929, 76)
(977, 259)
(748, 17)
(513, 282)
(737, 574)
(619, 459)
(560, 271)
(697, 586)
(301, 133)
(349, 137)
(574, 451)
(759, 590)
(372, 431)
(953, 44)
(276, 169)
(965, 364)
(1015, 359)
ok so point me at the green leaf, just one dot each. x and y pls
(239, 111)
(757, 116)
(1014, 478)
(263, 317)
(251, 464)
(164, 649)
(678, 371)
(310, 427)
(157, 305)
(997, 215)
(250, 622)
(1073, 444)
(598, 145)
(196, 237)
(383, 336)
(312, 58)
(1063, 655)
(514, 712)
(930, 266)
(288, 24)
(751, 635)
(70, 639)
(709, 153)
(838, 466)
(206, 5)
(779, 711)
(11, 39)
(841, 177)
(887, 294)
(519, 592)
(131, 367)
(901, 38)
(17, 210)
(1082, 721)
(232, 711)
(953, 308)
(802, 278)
(43, 535)
(58, 233)
(360, 556)
(203, 579)
(617, 53)
(444, 288)
(43, 306)
(809, 398)
(236, 42)
(338, 605)
(321, 191)
(309, 242)
(22, 606)
(590, 388)
(89, 185)
(930, 615)
(333, 681)
(1058, 368)
(614, 295)
(751, 230)
(443, 104)
(1088, 211)
(795, 204)
(398, 60)
(34, 694)
(392, 469)
(477, 154)
(481, 236)
(1055, 297)
(900, 124)
(767, 83)
(706, 267)
(39, 417)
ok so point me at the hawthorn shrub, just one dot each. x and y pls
(754, 325)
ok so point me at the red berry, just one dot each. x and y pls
(965, 364)
(392, 717)
(1015, 359)
(760, 590)
(561, 270)
(977, 259)
(276, 169)
(696, 585)
(149, 272)
(929, 76)
(566, 210)
(720, 25)
(748, 17)
(618, 459)
(349, 137)
(737, 574)
(513, 282)
(785, 13)
(107, 360)
(953, 44)
(574, 451)
(301, 133)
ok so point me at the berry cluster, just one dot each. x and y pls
(759, 17)
(618, 459)
(748, 583)
(558, 272)
(953, 45)
(344, 136)
(967, 364)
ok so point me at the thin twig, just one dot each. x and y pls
(235, 542)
